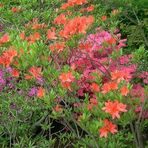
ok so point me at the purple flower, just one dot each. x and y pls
(1, 73)
(9, 69)
(32, 92)
(40, 81)
(12, 105)
(2, 81)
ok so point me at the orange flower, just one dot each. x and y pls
(65, 6)
(114, 108)
(11, 53)
(95, 87)
(108, 127)
(38, 26)
(92, 102)
(4, 39)
(66, 79)
(111, 41)
(5, 61)
(90, 107)
(28, 77)
(124, 90)
(15, 9)
(85, 46)
(71, 3)
(104, 18)
(120, 75)
(76, 25)
(113, 86)
(57, 46)
(107, 87)
(40, 92)
(36, 36)
(35, 72)
(51, 34)
(58, 108)
(60, 19)
(7, 57)
(15, 73)
(22, 35)
(33, 38)
(90, 8)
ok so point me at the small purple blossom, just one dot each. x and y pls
(12, 105)
(2, 81)
(9, 69)
(40, 80)
(32, 92)
(1, 73)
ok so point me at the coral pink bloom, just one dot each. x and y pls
(124, 90)
(7, 57)
(15, 9)
(51, 34)
(71, 3)
(90, 106)
(28, 77)
(65, 6)
(107, 87)
(108, 127)
(58, 108)
(40, 92)
(39, 26)
(66, 79)
(4, 39)
(93, 101)
(114, 108)
(57, 46)
(35, 72)
(113, 85)
(15, 73)
(120, 75)
(36, 36)
(90, 8)
(76, 25)
(60, 20)
(95, 87)
(111, 41)
(22, 35)
(104, 18)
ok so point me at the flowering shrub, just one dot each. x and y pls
(65, 82)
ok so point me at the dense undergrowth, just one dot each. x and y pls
(73, 74)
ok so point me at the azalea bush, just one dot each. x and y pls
(66, 79)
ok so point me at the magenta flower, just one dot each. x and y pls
(32, 92)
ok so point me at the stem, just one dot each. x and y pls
(90, 134)
(134, 134)
(139, 136)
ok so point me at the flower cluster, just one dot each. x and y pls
(7, 57)
(78, 78)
